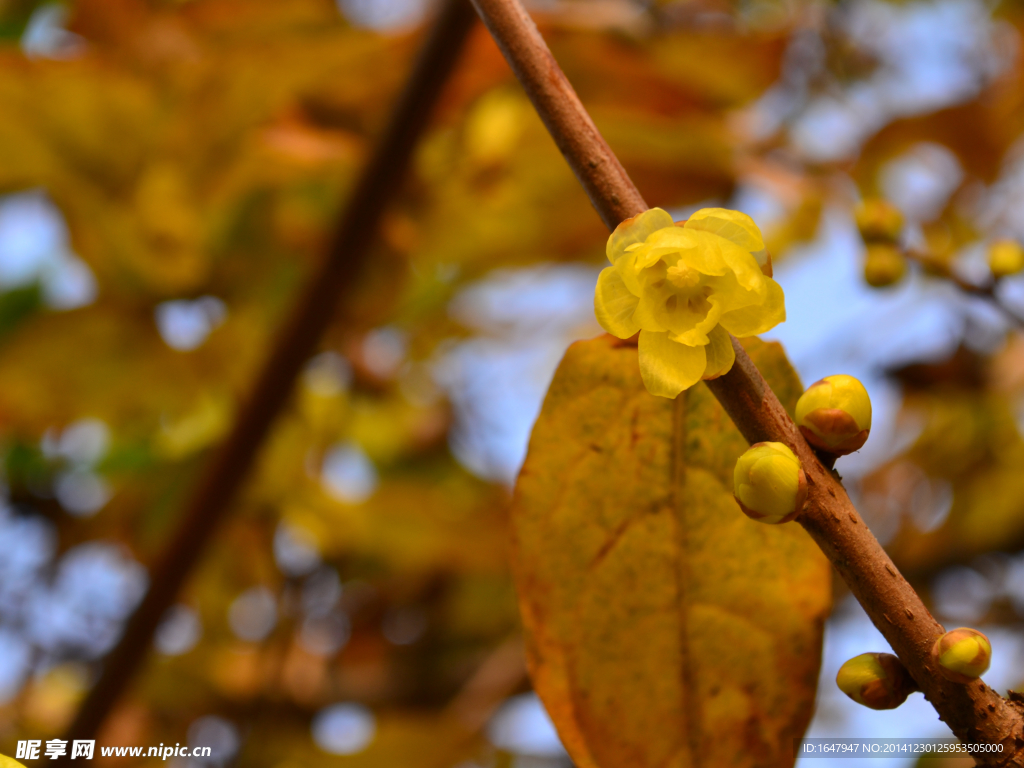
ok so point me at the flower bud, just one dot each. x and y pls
(769, 483)
(884, 265)
(962, 655)
(1005, 257)
(876, 680)
(878, 220)
(834, 414)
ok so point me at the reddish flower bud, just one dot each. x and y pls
(876, 680)
(962, 655)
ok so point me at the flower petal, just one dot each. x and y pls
(697, 334)
(668, 367)
(614, 304)
(739, 262)
(636, 230)
(696, 249)
(732, 225)
(757, 318)
(720, 353)
(729, 295)
(647, 318)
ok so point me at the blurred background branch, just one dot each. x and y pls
(312, 312)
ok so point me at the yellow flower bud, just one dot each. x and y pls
(879, 221)
(962, 655)
(769, 483)
(1005, 257)
(884, 265)
(876, 680)
(834, 414)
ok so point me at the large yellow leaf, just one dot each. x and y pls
(664, 627)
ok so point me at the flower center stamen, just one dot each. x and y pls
(683, 276)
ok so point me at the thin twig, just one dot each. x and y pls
(310, 316)
(974, 712)
(986, 291)
(500, 674)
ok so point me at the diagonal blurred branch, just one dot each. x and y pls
(973, 711)
(498, 676)
(310, 316)
(986, 291)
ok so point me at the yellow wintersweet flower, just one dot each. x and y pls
(685, 288)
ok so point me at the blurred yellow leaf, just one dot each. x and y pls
(200, 427)
(662, 624)
(52, 698)
(970, 449)
(495, 125)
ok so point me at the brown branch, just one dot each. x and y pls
(297, 340)
(499, 675)
(974, 712)
(985, 291)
